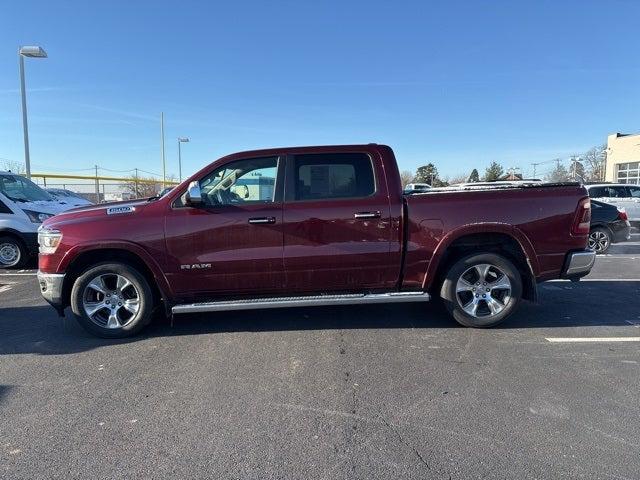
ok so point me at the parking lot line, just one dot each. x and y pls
(597, 280)
(591, 339)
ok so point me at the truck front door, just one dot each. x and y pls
(232, 243)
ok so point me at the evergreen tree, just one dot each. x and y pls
(426, 174)
(493, 172)
(475, 176)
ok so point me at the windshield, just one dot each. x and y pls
(21, 189)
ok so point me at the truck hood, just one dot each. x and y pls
(97, 211)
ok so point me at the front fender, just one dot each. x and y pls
(131, 247)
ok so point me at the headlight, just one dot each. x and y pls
(48, 240)
(37, 217)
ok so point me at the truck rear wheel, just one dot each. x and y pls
(482, 290)
(112, 300)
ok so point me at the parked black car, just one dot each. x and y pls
(608, 225)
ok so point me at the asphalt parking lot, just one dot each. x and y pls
(396, 391)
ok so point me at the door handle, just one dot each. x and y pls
(260, 220)
(367, 214)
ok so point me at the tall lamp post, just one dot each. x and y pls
(180, 140)
(31, 52)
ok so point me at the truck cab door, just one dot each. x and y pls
(337, 224)
(232, 243)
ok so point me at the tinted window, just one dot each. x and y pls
(608, 192)
(236, 183)
(338, 175)
(635, 192)
(617, 192)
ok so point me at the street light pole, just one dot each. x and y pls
(33, 52)
(25, 127)
(180, 140)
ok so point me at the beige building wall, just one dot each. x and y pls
(623, 158)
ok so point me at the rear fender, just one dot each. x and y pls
(479, 228)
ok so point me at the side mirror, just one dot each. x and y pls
(194, 195)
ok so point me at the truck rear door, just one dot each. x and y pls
(337, 225)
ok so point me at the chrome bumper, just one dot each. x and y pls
(579, 264)
(51, 287)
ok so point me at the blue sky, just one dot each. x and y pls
(456, 83)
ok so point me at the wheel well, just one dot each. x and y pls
(499, 243)
(92, 257)
(15, 236)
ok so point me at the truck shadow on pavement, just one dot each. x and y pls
(38, 330)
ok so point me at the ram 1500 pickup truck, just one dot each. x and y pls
(311, 226)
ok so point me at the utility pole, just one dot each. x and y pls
(535, 166)
(164, 165)
(136, 183)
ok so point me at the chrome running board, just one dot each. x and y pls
(309, 301)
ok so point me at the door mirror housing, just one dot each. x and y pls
(194, 194)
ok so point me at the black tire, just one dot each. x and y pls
(108, 271)
(10, 243)
(453, 300)
(600, 239)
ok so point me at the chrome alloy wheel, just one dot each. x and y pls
(110, 300)
(483, 290)
(9, 254)
(598, 241)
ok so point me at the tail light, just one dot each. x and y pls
(582, 221)
(622, 215)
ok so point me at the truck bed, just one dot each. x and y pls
(538, 216)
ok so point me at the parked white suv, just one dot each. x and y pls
(621, 195)
(67, 196)
(23, 207)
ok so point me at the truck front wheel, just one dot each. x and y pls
(482, 290)
(112, 300)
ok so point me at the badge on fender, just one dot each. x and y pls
(118, 210)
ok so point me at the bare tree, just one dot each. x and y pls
(142, 187)
(594, 161)
(12, 166)
(459, 178)
(558, 174)
(406, 176)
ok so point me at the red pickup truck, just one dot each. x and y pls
(311, 226)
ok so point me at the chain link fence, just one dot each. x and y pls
(99, 189)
